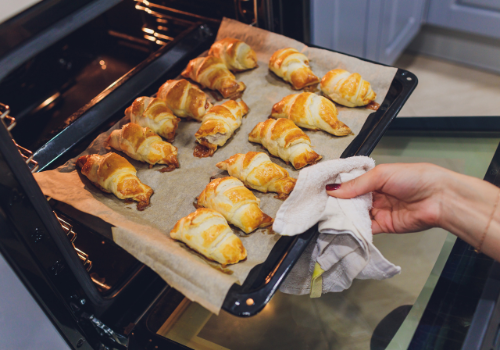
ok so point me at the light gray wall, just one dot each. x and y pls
(23, 324)
(470, 49)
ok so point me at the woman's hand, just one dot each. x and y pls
(406, 197)
(415, 197)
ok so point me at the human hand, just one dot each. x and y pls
(406, 197)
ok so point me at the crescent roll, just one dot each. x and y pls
(153, 113)
(257, 171)
(212, 73)
(218, 125)
(282, 138)
(293, 67)
(236, 54)
(207, 232)
(311, 111)
(112, 173)
(144, 145)
(347, 89)
(186, 100)
(235, 202)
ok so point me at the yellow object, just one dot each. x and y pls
(317, 281)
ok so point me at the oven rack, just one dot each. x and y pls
(32, 164)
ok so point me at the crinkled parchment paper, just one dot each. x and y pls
(146, 234)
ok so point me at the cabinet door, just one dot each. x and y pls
(476, 16)
(375, 29)
(398, 23)
(340, 25)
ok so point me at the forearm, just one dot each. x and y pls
(467, 206)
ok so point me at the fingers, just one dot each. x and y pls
(368, 182)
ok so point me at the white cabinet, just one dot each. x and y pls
(474, 16)
(375, 29)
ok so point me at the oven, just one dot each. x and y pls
(69, 69)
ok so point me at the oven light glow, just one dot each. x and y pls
(48, 101)
(150, 38)
(148, 30)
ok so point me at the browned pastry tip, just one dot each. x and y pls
(81, 161)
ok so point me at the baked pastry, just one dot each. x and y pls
(311, 111)
(144, 145)
(237, 203)
(347, 89)
(112, 173)
(218, 126)
(207, 232)
(186, 100)
(257, 171)
(282, 138)
(293, 67)
(212, 73)
(153, 113)
(236, 54)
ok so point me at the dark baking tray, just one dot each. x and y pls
(99, 114)
(264, 279)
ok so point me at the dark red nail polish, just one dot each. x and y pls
(332, 187)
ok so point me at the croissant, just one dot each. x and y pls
(112, 173)
(311, 111)
(347, 89)
(186, 100)
(207, 232)
(235, 202)
(237, 55)
(144, 145)
(293, 67)
(212, 73)
(218, 126)
(153, 113)
(257, 171)
(284, 139)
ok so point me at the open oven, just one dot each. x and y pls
(69, 69)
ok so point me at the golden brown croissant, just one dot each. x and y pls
(153, 113)
(311, 111)
(218, 126)
(347, 89)
(186, 100)
(207, 232)
(293, 67)
(284, 139)
(144, 145)
(235, 202)
(236, 54)
(257, 171)
(212, 73)
(112, 173)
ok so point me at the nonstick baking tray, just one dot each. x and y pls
(264, 279)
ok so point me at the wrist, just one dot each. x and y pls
(466, 207)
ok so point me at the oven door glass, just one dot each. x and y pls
(370, 313)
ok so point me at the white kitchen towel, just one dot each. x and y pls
(344, 249)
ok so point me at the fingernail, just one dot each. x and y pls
(332, 187)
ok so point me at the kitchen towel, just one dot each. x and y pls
(344, 249)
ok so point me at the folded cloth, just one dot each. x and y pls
(344, 249)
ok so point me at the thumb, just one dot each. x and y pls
(361, 185)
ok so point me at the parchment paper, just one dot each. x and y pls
(145, 234)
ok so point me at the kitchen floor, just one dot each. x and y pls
(449, 89)
(370, 312)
